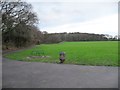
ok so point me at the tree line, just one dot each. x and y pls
(19, 28)
(76, 36)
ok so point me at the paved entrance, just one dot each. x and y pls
(17, 74)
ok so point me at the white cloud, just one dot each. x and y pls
(90, 16)
(104, 25)
(54, 13)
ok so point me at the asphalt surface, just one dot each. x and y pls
(18, 74)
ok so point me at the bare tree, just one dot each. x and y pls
(18, 21)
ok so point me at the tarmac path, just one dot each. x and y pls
(18, 74)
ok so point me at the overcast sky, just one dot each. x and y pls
(89, 16)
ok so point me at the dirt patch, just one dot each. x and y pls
(35, 57)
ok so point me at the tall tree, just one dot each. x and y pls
(18, 21)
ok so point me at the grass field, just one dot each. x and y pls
(103, 53)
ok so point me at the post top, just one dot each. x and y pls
(62, 53)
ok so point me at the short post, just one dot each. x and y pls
(62, 57)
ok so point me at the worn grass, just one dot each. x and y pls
(103, 53)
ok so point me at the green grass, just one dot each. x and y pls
(103, 53)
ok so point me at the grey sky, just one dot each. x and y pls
(55, 13)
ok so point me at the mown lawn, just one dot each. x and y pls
(103, 53)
